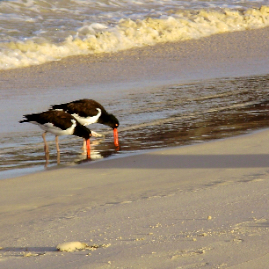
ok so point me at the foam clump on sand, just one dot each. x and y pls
(74, 246)
(71, 246)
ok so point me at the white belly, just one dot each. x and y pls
(88, 120)
(49, 127)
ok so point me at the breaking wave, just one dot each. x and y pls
(93, 38)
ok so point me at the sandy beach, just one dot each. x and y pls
(198, 206)
(202, 206)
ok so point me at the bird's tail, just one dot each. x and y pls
(27, 118)
(58, 107)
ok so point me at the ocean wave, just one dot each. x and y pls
(97, 38)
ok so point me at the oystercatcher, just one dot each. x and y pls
(88, 111)
(59, 123)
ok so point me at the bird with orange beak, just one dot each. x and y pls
(88, 111)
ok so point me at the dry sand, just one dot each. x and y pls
(200, 206)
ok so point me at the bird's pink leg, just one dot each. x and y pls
(57, 143)
(46, 148)
(47, 157)
(84, 146)
(58, 157)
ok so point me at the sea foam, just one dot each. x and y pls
(95, 38)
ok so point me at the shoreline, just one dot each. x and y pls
(232, 54)
(159, 189)
(197, 206)
(111, 77)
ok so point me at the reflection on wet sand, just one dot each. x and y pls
(167, 116)
(47, 157)
(80, 157)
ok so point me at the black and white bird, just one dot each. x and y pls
(59, 123)
(88, 111)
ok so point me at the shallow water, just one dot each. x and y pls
(165, 116)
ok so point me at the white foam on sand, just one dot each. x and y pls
(71, 246)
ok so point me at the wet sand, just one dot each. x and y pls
(130, 83)
(226, 55)
(200, 206)
(108, 77)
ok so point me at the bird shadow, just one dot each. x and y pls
(26, 251)
(178, 161)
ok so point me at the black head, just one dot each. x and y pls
(82, 131)
(111, 121)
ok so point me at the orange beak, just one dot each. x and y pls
(116, 139)
(88, 146)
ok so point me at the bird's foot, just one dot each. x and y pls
(94, 134)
